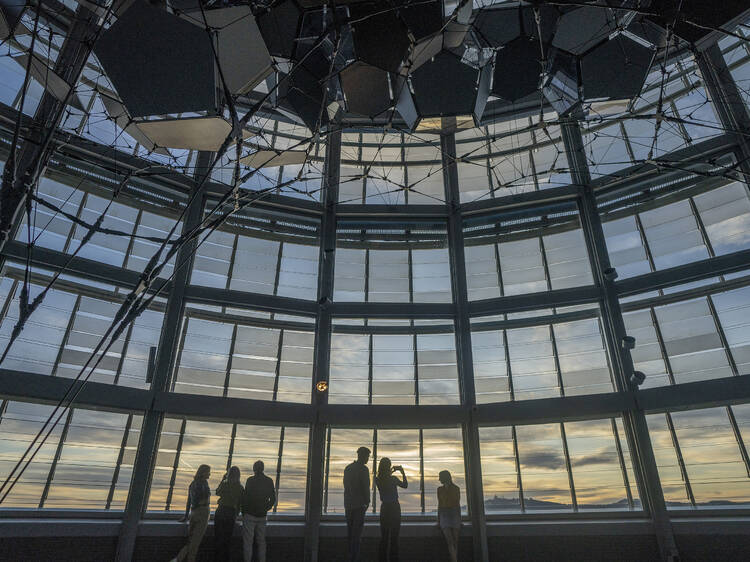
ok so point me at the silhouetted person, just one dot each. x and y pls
(390, 509)
(356, 499)
(198, 508)
(258, 498)
(449, 512)
(230, 493)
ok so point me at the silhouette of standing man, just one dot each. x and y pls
(356, 499)
(259, 497)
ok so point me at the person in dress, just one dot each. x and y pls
(449, 512)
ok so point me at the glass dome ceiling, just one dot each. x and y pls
(464, 293)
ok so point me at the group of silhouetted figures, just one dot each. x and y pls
(254, 500)
(357, 499)
(258, 496)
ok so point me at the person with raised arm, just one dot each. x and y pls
(390, 508)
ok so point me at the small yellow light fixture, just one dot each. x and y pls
(322, 386)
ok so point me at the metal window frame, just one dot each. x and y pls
(629, 404)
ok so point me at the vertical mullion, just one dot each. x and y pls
(176, 464)
(519, 479)
(9, 299)
(500, 283)
(735, 372)
(556, 359)
(644, 241)
(277, 374)
(670, 425)
(232, 259)
(488, 163)
(278, 268)
(56, 458)
(701, 228)
(230, 269)
(680, 459)
(530, 151)
(278, 468)
(364, 174)
(374, 469)
(646, 246)
(722, 336)
(662, 346)
(367, 271)
(545, 264)
(569, 468)
(164, 368)
(623, 466)
(634, 419)
(739, 439)
(180, 349)
(370, 368)
(228, 372)
(626, 140)
(230, 453)
(327, 470)
(131, 242)
(118, 463)
(322, 348)
(124, 352)
(74, 226)
(421, 468)
(406, 171)
(606, 353)
(508, 368)
(506, 349)
(415, 356)
(464, 360)
(410, 273)
(66, 336)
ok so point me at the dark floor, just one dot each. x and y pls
(615, 548)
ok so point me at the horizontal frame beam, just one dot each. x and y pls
(383, 417)
(546, 410)
(80, 267)
(681, 274)
(44, 389)
(215, 408)
(30, 387)
(694, 395)
(534, 301)
(255, 301)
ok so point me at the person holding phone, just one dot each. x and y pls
(390, 509)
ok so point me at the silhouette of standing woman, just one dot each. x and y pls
(390, 509)
(198, 506)
(449, 512)
(230, 498)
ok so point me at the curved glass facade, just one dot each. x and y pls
(455, 293)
